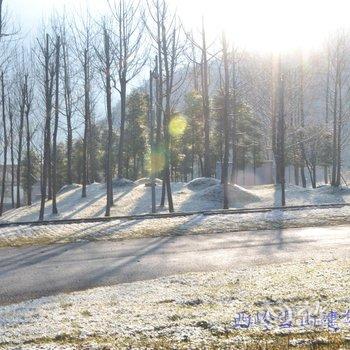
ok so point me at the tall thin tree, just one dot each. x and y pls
(47, 52)
(226, 126)
(128, 56)
(3, 181)
(55, 131)
(12, 153)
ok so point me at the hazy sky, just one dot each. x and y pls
(253, 24)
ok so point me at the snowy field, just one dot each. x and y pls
(136, 200)
(196, 311)
(200, 194)
(196, 224)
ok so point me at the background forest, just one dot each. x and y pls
(136, 94)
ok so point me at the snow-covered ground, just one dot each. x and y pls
(136, 199)
(195, 224)
(202, 194)
(197, 311)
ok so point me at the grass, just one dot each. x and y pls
(301, 341)
(47, 236)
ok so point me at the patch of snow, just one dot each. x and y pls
(195, 308)
(121, 182)
(147, 181)
(238, 196)
(67, 188)
(202, 183)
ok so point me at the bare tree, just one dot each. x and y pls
(168, 41)
(152, 76)
(23, 99)
(68, 102)
(234, 117)
(169, 76)
(158, 18)
(205, 100)
(280, 139)
(225, 117)
(54, 137)
(338, 65)
(6, 52)
(204, 75)
(3, 182)
(29, 99)
(83, 38)
(105, 59)
(87, 116)
(302, 121)
(128, 56)
(48, 67)
(327, 103)
(12, 156)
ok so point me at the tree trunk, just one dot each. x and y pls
(122, 127)
(234, 125)
(167, 115)
(12, 156)
(20, 140)
(335, 124)
(280, 136)
(201, 165)
(86, 120)
(225, 124)
(110, 124)
(339, 134)
(206, 107)
(54, 139)
(68, 106)
(3, 182)
(296, 175)
(47, 136)
(303, 176)
(302, 122)
(314, 180)
(325, 174)
(160, 97)
(159, 90)
(29, 164)
(327, 107)
(151, 124)
(274, 78)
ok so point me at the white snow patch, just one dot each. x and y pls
(147, 181)
(237, 195)
(200, 194)
(195, 307)
(202, 183)
(121, 182)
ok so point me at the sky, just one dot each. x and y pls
(258, 25)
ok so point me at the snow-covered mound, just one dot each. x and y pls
(147, 181)
(201, 183)
(131, 199)
(122, 182)
(326, 189)
(237, 195)
(67, 188)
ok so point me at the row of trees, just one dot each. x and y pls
(203, 102)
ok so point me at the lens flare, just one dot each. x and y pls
(177, 125)
(156, 161)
